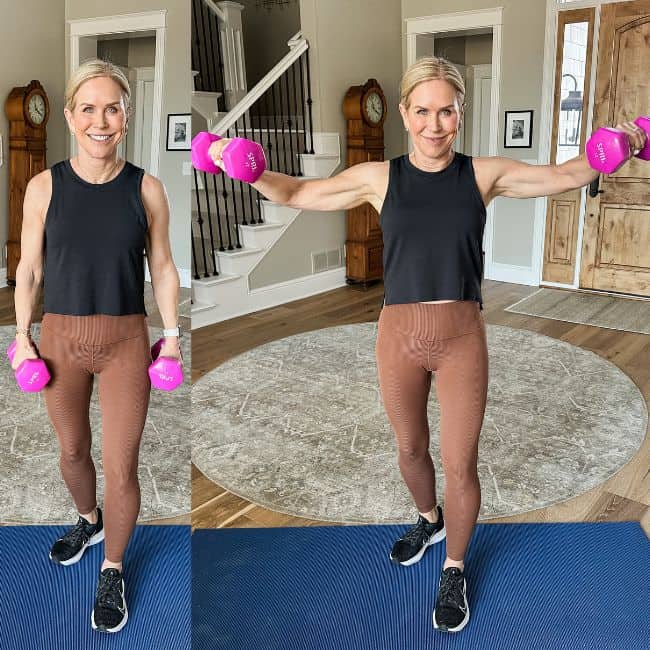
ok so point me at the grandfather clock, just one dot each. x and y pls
(364, 108)
(27, 110)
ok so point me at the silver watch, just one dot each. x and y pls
(174, 331)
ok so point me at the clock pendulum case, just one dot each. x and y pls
(27, 110)
(364, 108)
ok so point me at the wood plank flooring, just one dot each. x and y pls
(623, 497)
(8, 317)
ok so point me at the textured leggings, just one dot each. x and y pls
(415, 340)
(116, 348)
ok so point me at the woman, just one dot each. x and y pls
(87, 223)
(432, 204)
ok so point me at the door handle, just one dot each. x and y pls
(593, 188)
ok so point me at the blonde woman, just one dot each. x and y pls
(87, 223)
(432, 205)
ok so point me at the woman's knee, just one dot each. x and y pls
(121, 476)
(75, 454)
(412, 454)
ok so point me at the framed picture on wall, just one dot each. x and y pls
(518, 132)
(179, 131)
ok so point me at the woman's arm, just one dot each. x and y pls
(513, 178)
(354, 186)
(164, 276)
(29, 273)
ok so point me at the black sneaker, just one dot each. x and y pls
(451, 613)
(109, 613)
(70, 548)
(410, 548)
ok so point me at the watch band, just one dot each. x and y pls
(174, 331)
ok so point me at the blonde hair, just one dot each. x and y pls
(90, 70)
(426, 69)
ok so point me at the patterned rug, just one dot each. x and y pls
(31, 487)
(587, 309)
(297, 426)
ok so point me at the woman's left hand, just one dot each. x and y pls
(171, 348)
(636, 135)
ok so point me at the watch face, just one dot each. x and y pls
(374, 107)
(36, 109)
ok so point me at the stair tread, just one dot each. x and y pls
(222, 278)
(240, 252)
(269, 225)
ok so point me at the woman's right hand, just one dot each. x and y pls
(215, 150)
(24, 350)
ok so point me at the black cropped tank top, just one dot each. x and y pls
(94, 244)
(432, 225)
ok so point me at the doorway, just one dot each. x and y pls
(472, 41)
(136, 43)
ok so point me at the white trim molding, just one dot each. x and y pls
(136, 22)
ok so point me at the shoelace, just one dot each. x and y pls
(451, 590)
(108, 590)
(77, 534)
(417, 535)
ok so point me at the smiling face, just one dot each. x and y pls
(433, 118)
(99, 111)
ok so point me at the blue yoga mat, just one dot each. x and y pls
(530, 587)
(47, 606)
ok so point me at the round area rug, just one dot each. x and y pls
(31, 488)
(297, 426)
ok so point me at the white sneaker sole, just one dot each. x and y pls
(438, 537)
(119, 626)
(461, 625)
(95, 539)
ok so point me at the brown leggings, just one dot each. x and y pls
(415, 340)
(116, 348)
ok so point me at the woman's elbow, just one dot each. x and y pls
(28, 274)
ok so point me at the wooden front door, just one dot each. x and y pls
(616, 235)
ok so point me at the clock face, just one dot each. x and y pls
(36, 109)
(374, 107)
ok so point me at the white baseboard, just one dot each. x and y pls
(512, 273)
(3, 277)
(185, 276)
(283, 292)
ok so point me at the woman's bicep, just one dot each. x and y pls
(154, 198)
(32, 235)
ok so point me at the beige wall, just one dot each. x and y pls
(349, 43)
(522, 60)
(266, 32)
(32, 37)
(175, 99)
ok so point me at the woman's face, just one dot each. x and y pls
(99, 111)
(433, 117)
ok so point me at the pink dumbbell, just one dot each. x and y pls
(31, 375)
(242, 159)
(166, 373)
(608, 149)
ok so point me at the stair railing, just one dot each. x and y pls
(276, 113)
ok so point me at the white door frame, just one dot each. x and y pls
(479, 72)
(126, 23)
(457, 21)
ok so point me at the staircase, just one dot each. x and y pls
(233, 226)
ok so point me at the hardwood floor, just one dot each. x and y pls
(623, 497)
(8, 317)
